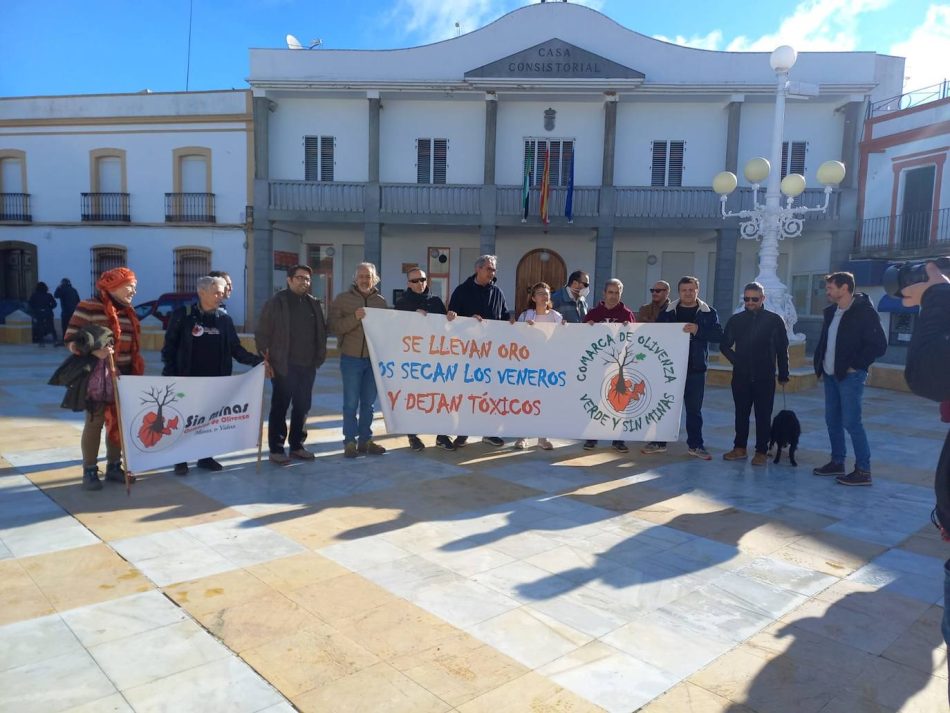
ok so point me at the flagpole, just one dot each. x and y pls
(118, 415)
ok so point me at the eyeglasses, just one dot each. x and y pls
(750, 299)
(301, 278)
(657, 289)
(584, 284)
(417, 280)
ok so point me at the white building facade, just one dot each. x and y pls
(158, 182)
(418, 156)
(904, 197)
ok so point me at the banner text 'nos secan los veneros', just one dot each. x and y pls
(467, 377)
(173, 419)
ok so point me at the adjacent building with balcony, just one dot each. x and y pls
(420, 156)
(904, 197)
(158, 182)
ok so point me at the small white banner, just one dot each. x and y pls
(173, 419)
(493, 378)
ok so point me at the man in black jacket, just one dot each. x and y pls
(754, 341)
(851, 339)
(201, 341)
(416, 298)
(927, 375)
(480, 298)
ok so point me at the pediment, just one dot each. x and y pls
(554, 59)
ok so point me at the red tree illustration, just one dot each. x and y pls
(154, 426)
(622, 390)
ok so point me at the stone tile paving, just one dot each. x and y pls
(481, 580)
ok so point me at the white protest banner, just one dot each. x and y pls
(494, 378)
(173, 419)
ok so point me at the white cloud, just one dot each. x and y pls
(926, 49)
(433, 20)
(814, 25)
(712, 41)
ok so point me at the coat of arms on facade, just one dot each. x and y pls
(549, 116)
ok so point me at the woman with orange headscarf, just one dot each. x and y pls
(111, 307)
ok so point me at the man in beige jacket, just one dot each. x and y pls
(356, 368)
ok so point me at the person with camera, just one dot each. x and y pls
(851, 339)
(927, 375)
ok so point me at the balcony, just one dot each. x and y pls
(662, 202)
(15, 207)
(316, 197)
(105, 208)
(904, 234)
(511, 201)
(461, 204)
(189, 208)
(430, 199)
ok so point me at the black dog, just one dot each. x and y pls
(786, 431)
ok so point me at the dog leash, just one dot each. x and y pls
(784, 404)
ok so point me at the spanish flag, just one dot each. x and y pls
(545, 187)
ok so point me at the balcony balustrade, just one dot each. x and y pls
(904, 234)
(105, 207)
(317, 197)
(189, 208)
(511, 201)
(15, 207)
(465, 200)
(430, 199)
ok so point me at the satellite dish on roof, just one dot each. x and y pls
(294, 44)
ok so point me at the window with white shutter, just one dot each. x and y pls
(666, 168)
(431, 160)
(318, 158)
(793, 161)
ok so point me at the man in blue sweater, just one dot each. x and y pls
(479, 297)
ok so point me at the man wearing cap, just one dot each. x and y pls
(111, 307)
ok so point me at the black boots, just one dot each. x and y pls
(115, 473)
(90, 478)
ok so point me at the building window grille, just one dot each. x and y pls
(318, 157)
(190, 264)
(561, 156)
(667, 163)
(431, 160)
(103, 259)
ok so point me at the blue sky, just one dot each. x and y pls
(93, 46)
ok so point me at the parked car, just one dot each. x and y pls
(165, 305)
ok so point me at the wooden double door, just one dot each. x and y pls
(540, 265)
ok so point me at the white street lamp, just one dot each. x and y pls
(770, 221)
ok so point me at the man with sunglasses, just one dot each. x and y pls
(659, 301)
(754, 341)
(417, 299)
(571, 300)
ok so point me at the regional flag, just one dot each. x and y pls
(526, 180)
(545, 187)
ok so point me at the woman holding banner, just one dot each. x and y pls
(543, 311)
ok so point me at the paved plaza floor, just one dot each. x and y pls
(485, 580)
